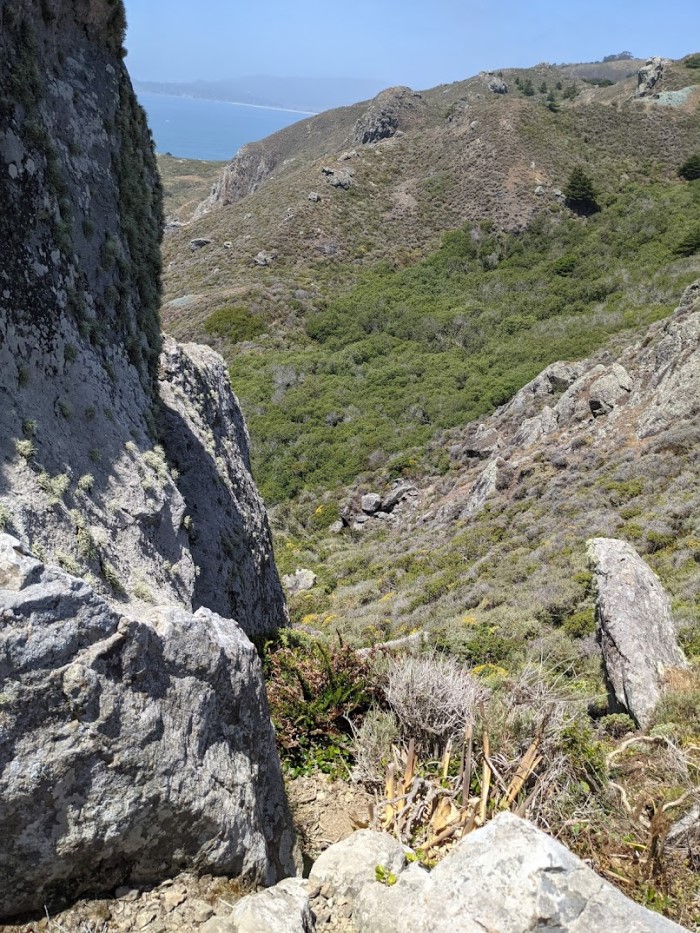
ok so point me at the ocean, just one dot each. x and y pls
(209, 129)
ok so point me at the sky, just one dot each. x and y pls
(420, 43)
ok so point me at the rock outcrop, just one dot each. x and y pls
(131, 747)
(635, 628)
(649, 76)
(508, 876)
(252, 165)
(88, 468)
(386, 114)
(648, 391)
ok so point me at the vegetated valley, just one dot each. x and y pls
(386, 283)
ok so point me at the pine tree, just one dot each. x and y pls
(580, 192)
(690, 170)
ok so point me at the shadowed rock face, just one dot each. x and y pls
(635, 628)
(206, 439)
(150, 749)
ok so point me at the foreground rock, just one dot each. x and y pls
(129, 748)
(508, 877)
(635, 628)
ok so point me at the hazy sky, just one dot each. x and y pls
(416, 42)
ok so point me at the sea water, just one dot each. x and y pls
(209, 129)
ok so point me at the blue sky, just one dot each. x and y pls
(395, 41)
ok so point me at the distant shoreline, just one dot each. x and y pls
(236, 103)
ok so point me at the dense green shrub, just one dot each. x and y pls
(408, 352)
(313, 689)
(234, 324)
(690, 170)
(690, 243)
(693, 61)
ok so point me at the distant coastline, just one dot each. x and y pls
(235, 103)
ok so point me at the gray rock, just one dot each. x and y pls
(497, 85)
(508, 877)
(482, 445)
(199, 243)
(649, 76)
(299, 581)
(348, 865)
(484, 487)
(346, 156)
(635, 628)
(610, 390)
(284, 908)
(371, 503)
(400, 492)
(263, 258)
(130, 748)
(386, 113)
(340, 180)
(314, 196)
(206, 439)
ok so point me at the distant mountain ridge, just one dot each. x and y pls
(308, 95)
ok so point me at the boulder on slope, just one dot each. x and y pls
(635, 628)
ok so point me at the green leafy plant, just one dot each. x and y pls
(313, 689)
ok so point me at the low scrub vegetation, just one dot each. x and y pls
(411, 351)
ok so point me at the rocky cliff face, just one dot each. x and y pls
(88, 476)
(135, 741)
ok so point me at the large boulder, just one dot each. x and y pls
(635, 628)
(130, 749)
(508, 877)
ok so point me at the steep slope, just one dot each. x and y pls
(286, 280)
(83, 478)
(457, 153)
(491, 556)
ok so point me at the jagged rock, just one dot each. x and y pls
(482, 445)
(400, 492)
(350, 864)
(130, 747)
(649, 76)
(338, 179)
(485, 486)
(314, 196)
(253, 164)
(677, 370)
(635, 628)
(497, 85)
(206, 439)
(609, 390)
(299, 581)
(508, 877)
(263, 258)
(371, 503)
(384, 115)
(556, 378)
(284, 908)
(199, 243)
(532, 429)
